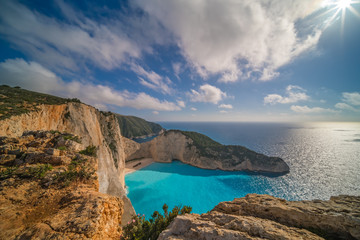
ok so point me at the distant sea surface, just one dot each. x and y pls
(324, 160)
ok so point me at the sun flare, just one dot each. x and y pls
(343, 4)
(339, 8)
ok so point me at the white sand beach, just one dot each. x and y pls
(134, 165)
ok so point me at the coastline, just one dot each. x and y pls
(133, 166)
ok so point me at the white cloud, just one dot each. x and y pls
(75, 41)
(227, 106)
(155, 112)
(293, 94)
(193, 109)
(155, 81)
(207, 93)
(177, 69)
(33, 76)
(344, 106)
(306, 109)
(29, 75)
(101, 107)
(181, 103)
(238, 38)
(352, 98)
(223, 111)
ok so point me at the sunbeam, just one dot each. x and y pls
(339, 7)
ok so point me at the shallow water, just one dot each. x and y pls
(324, 160)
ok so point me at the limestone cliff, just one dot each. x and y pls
(266, 217)
(95, 128)
(49, 190)
(200, 151)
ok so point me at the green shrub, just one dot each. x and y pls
(67, 115)
(72, 137)
(7, 172)
(89, 151)
(37, 171)
(112, 146)
(73, 100)
(139, 228)
(78, 170)
(54, 132)
(62, 148)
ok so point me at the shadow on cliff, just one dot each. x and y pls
(180, 168)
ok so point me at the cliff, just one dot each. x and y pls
(266, 217)
(49, 190)
(200, 151)
(95, 128)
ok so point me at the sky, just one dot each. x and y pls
(189, 60)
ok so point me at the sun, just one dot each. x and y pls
(339, 8)
(343, 4)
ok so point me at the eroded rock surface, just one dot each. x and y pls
(266, 217)
(48, 190)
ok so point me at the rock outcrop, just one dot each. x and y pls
(48, 190)
(95, 128)
(200, 151)
(266, 217)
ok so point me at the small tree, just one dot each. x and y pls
(141, 229)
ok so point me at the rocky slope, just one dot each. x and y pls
(200, 151)
(266, 217)
(49, 190)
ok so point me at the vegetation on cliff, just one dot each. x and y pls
(16, 101)
(199, 140)
(132, 127)
(43, 154)
(138, 228)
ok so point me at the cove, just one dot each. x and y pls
(180, 184)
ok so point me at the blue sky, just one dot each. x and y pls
(203, 60)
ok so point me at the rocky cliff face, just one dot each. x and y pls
(266, 217)
(95, 128)
(176, 145)
(85, 121)
(48, 190)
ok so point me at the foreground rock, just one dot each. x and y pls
(200, 151)
(48, 190)
(266, 217)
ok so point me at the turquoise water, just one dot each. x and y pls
(324, 160)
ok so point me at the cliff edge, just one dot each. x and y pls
(49, 190)
(200, 151)
(266, 217)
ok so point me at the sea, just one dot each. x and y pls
(324, 161)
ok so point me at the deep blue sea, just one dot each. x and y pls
(324, 160)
